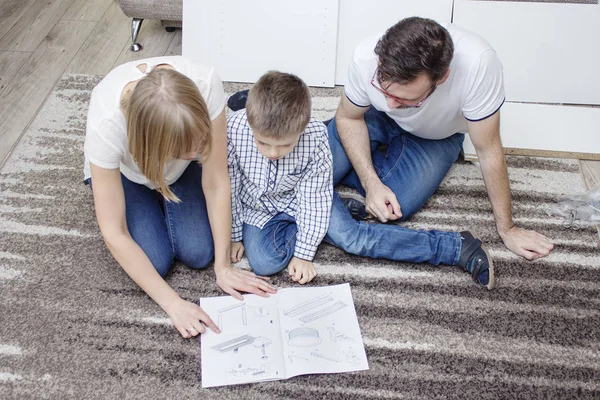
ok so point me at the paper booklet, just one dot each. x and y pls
(305, 330)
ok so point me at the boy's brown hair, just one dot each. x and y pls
(278, 105)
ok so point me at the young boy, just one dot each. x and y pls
(280, 168)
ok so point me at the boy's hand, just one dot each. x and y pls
(237, 251)
(301, 271)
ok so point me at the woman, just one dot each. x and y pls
(148, 121)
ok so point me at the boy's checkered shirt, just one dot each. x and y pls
(299, 184)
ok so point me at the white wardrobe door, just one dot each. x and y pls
(359, 19)
(243, 39)
(548, 127)
(550, 51)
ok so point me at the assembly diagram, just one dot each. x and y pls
(297, 331)
(245, 340)
(249, 372)
(241, 307)
(314, 309)
(337, 336)
(304, 337)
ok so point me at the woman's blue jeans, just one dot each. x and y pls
(167, 230)
(412, 168)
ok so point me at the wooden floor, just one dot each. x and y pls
(40, 40)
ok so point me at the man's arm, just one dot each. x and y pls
(485, 135)
(354, 135)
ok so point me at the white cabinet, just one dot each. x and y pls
(243, 39)
(550, 51)
(551, 58)
(314, 39)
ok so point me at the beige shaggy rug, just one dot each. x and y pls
(73, 325)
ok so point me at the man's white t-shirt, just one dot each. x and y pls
(106, 143)
(474, 90)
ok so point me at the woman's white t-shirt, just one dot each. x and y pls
(106, 131)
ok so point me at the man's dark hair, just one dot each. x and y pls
(412, 46)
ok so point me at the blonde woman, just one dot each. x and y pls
(156, 159)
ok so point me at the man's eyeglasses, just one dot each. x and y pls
(403, 102)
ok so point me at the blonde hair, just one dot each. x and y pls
(166, 117)
(278, 105)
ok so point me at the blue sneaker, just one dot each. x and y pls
(237, 101)
(475, 259)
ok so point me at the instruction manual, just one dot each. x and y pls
(307, 330)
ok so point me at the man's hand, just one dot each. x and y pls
(189, 319)
(232, 279)
(526, 243)
(237, 251)
(381, 202)
(301, 271)
(485, 135)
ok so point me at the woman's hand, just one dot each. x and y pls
(237, 251)
(232, 279)
(189, 319)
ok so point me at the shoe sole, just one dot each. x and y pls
(350, 195)
(358, 197)
(491, 273)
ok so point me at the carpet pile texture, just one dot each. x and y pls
(73, 325)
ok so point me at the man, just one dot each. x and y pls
(394, 136)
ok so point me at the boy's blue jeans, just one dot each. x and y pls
(270, 249)
(412, 168)
(167, 230)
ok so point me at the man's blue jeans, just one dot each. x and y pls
(412, 168)
(167, 230)
(270, 249)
